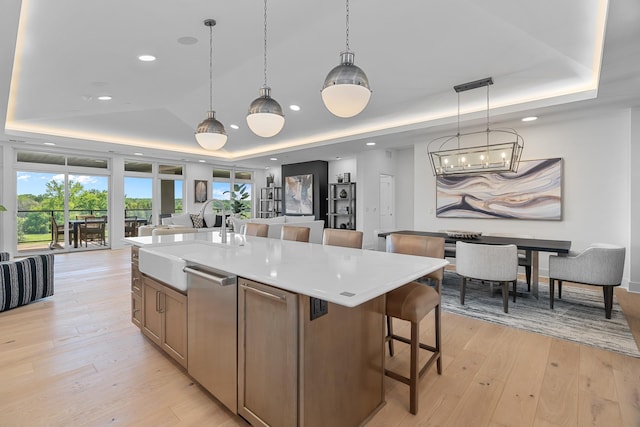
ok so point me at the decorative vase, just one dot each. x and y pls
(343, 194)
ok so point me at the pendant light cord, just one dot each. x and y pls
(265, 43)
(347, 32)
(210, 68)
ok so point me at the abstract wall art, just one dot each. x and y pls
(298, 193)
(532, 193)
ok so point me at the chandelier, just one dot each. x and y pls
(500, 153)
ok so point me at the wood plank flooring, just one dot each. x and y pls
(75, 359)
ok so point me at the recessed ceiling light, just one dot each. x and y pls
(234, 126)
(202, 161)
(529, 119)
(105, 98)
(294, 107)
(188, 40)
(371, 143)
(273, 158)
(147, 58)
(49, 143)
(338, 158)
(138, 154)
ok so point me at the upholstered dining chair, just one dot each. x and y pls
(257, 230)
(298, 234)
(600, 264)
(345, 238)
(525, 257)
(412, 302)
(488, 263)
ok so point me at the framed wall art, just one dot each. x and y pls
(200, 191)
(298, 193)
(534, 192)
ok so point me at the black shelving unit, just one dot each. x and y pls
(270, 203)
(342, 205)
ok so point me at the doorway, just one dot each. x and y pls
(387, 202)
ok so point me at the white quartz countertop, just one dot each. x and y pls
(344, 276)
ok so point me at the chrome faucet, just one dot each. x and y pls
(223, 229)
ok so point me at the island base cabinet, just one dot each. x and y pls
(164, 318)
(294, 371)
(267, 355)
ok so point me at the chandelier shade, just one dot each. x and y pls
(210, 133)
(500, 153)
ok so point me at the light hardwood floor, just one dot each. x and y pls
(75, 359)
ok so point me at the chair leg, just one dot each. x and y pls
(515, 288)
(527, 272)
(559, 289)
(390, 334)
(505, 296)
(414, 375)
(463, 287)
(608, 300)
(438, 342)
(551, 292)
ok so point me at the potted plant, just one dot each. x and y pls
(238, 196)
(270, 180)
(339, 178)
(2, 209)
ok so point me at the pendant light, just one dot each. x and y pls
(211, 134)
(265, 116)
(346, 91)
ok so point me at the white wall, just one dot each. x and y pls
(596, 187)
(633, 251)
(405, 187)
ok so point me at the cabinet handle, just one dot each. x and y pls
(281, 298)
(158, 301)
(163, 302)
(220, 280)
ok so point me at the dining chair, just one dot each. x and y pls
(412, 302)
(57, 233)
(298, 234)
(131, 226)
(257, 230)
(525, 257)
(92, 229)
(600, 264)
(489, 264)
(344, 238)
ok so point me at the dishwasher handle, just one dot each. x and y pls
(219, 280)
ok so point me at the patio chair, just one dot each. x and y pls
(92, 230)
(57, 233)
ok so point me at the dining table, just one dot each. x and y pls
(74, 225)
(530, 244)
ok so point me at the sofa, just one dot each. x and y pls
(275, 225)
(178, 223)
(25, 280)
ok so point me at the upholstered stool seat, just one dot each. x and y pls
(412, 302)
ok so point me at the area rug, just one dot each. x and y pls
(578, 316)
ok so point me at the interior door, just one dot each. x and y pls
(387, 202)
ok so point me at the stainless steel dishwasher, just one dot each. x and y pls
(212, 332)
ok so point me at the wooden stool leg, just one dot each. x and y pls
(437, 323)
(390, 334)
(414, 375)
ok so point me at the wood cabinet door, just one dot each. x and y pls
(136, 310)
(267, 355)
(151, 316)
(173, 306)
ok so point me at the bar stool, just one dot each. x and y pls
(258, 230)
(345, 238)
(298, 234)
(412, 302)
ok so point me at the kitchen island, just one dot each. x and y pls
(309, 322)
